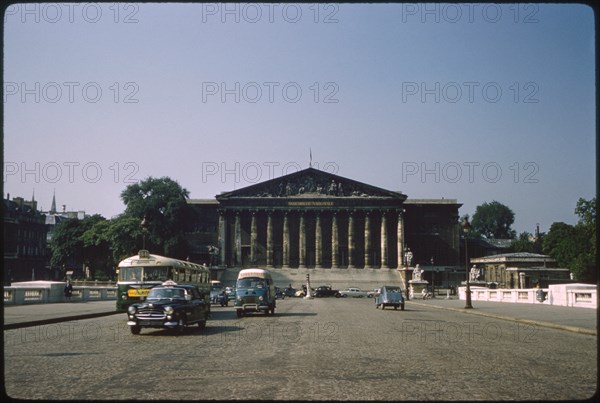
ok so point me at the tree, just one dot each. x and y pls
(163, 203)
(523, 243)
(493, 220)
(67, 244)
(574, 247)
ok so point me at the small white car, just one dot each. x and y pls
(356, 293)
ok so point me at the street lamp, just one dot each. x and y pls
(407, 259)
(433, 270)
(466, 228)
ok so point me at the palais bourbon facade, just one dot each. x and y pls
(314, 219)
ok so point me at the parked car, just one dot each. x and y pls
(356, 293)
(230, 291)
(389, 296)
(325, 291)
(169, 306)
(279, 294)
(289, 291)
(216, 292)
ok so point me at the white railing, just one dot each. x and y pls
(574, 295)
(39, 292)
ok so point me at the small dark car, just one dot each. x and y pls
(169, 306)
(216, 292)
(279, 294)
(289, 291)
(389, 296)
(325, 291)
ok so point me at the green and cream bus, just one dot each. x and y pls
(136, 275)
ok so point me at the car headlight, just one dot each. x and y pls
(131, 310)
(169, 310)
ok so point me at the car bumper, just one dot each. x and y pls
(252, 307)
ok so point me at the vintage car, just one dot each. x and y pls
(230, 291)
(356, 293)
(389, 296)
(169, 306)
(325, 291)
(216, 292)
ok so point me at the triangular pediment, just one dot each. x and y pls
(311, 183)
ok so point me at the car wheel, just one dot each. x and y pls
(202, 324)
(401, 307)
(135, 329)
(395, 307)
(370, 296)
(382, 307)
(273, 311)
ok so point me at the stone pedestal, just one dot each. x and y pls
(415, 287)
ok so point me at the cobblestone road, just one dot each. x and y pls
(337, 349)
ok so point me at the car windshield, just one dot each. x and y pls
(166, 293)
(393, 290)
(251, 282)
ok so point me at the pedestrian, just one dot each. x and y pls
(68, 290)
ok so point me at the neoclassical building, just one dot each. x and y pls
(315, 219)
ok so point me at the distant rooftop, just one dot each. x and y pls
(431, 201)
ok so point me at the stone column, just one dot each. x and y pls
(286, 241)
(270, 240)
(351, 241)
(400, 239)
(368, 251)
(384, 241)
(222, 238)
(318, 243)
(253, 239)
(238, 240)
(302, 239)
(334, 241)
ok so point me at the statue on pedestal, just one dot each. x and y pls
(417, 272)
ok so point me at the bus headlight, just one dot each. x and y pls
(261, 298)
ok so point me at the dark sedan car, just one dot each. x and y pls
(169, 306)
(325, 291)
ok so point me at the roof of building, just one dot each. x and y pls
(513, 258)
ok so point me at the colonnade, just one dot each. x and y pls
(330, 238)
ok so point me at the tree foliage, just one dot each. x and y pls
(67, 244)
(101, 244)
(493, 220)
(574, 246)
(162, 201)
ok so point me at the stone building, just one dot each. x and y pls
(24, 233)
(521, 270)
(314, 219)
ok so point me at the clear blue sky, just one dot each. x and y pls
(471, 102)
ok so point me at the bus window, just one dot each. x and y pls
(130, 274)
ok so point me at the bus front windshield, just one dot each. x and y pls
(143, 273)
(251, 282)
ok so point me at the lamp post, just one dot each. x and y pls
(433, 270)
(466, 228)
(407, 259)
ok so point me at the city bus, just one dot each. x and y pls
(137, 274)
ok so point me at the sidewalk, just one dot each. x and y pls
(580, 320)
(17, 316)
